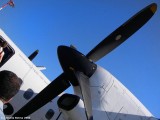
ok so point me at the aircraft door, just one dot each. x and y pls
(13, 59)
(18, 64)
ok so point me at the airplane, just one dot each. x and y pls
(97, 93)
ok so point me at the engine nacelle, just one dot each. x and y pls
(72, 107)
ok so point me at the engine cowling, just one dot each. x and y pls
(72, 107)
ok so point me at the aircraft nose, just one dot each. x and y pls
(71, 59)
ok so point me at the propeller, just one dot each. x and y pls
(122, 33)
(33, 55)
(79, 62)
(86, 93)
(46, 95)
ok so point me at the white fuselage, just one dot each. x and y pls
(33, 80)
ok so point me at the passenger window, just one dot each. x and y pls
(49, 114)
(8, 109)
(28, 94)
(8, 52)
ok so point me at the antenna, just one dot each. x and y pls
(10, 3)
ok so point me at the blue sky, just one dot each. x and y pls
(46, 24)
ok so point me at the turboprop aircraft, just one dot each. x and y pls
(98, 95)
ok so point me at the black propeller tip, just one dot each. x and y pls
(122, 33)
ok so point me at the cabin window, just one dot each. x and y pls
(28, 94)
(8, 109)
(8, 52)
(49, 114)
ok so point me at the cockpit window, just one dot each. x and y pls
(6, 51)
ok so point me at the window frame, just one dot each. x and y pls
(10, 55)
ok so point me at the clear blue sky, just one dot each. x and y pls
(46, 24)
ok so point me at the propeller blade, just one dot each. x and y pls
(86, 93)
(46, 95)
(122, 33)
(33, 55)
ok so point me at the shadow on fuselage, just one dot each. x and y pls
(48, 112)
(51, 111)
